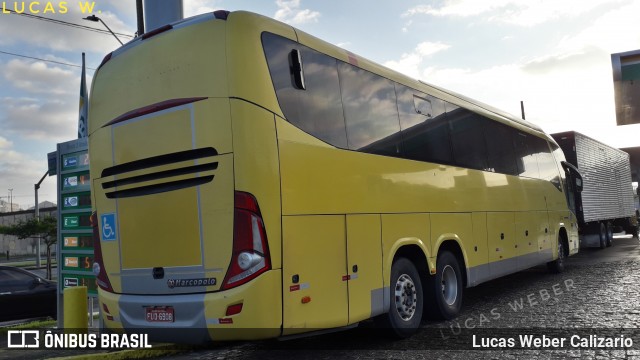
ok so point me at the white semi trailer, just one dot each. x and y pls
(606, 203)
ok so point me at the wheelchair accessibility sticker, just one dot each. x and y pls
(108, 227)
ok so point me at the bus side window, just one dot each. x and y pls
(370, 111)
(525, 154)
(467, 138)
(499, 141)
(546, 163)
(423, 138)
(423, 106)
(318, 109)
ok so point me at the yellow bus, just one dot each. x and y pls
(252, 181)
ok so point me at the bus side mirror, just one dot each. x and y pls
(574, 175)
(578, 181)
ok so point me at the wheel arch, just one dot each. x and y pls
(563, 237)
(411, 248)
(453, 245)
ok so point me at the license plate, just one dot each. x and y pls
(160, 314)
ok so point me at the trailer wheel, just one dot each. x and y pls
(609, 234)
(603, 235)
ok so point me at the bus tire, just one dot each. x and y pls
(557, 266)
(445, 288)
(603, 235)
(407, 301)
(609, 241)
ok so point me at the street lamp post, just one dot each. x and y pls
(96, 19)
(37, 216)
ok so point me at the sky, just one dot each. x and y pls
(555, 55)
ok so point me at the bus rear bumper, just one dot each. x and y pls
(201, 318)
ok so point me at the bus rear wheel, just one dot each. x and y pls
(445, 288)
(405, 313)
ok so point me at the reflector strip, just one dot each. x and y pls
(145, 110)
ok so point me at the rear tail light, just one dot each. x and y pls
(250, 256)
(98, 264)
(105, 60)
(157, 31)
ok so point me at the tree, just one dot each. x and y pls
(47, 229)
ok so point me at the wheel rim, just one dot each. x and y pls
(449, 285)
(406, 297)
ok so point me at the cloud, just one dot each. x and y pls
(19, 171)
(49, 107)
(557, 94)
(406, 26)
(515, 12)
(59, 37)
(4, 143)
(38, 77)
(196, 7)
(585, 58)
(410, 63)
(289, 12)
(610, 32)
(48, 119)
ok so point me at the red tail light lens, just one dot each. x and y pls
(98, 264)
(250, 256)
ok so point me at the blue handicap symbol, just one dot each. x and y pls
(108, 227)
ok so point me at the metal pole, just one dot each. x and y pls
(11, 200)
(140, 13)
(90, 311)
(522, 109)
(96, 19)
(112, 33)
(37, 216)
(36, 187)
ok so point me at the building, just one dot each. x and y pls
(6, 207)
(21, 247)
(626, 86)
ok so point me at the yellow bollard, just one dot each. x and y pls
(75, 308)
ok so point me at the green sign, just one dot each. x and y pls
(76, 262)
(72, 280)
(75, 160)
(76, 221)
(75, 242)
(75, 258)
(76, 201)
(76, 181)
